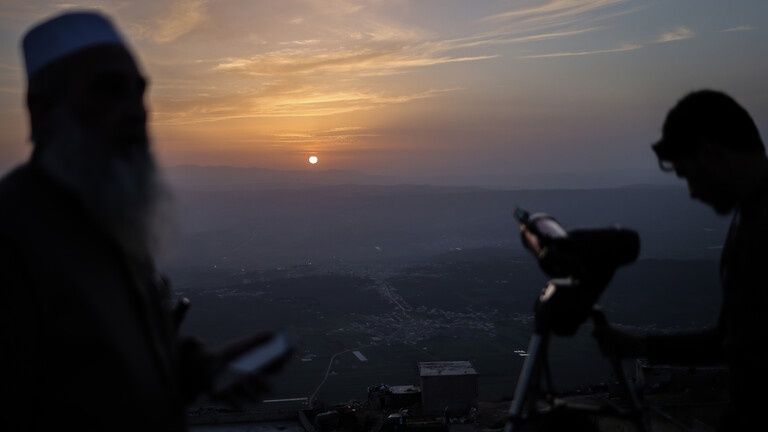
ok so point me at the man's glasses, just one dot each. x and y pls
(662, 153)
(666, 165)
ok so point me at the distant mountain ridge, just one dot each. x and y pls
(225, 177)
(220, 177)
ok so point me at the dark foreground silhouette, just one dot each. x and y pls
(711, 141)
(88, 335)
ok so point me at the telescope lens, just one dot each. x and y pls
(521, 215)
(549, 228)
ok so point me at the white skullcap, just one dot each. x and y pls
(64, 35)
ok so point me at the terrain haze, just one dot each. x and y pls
(415, 272)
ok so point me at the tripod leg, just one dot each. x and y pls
(527, 376)
(624, 381)
(547, 371)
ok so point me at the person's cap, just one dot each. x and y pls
(64, 35)
(706, 114)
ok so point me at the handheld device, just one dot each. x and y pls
(252, 362)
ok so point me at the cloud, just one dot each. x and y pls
(623, 48)
(336, 7)
(547, 36)
(484, 40)
(330, 66)
(337, 66)
(301, 42)
(556, 19)
(553, 11)
(182, 17)
(679, 33)
(343, 129)
(739, 29)
(297, 61)
(306, 101)
(335, 135)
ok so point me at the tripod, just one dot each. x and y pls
(537, 363)
(585, 260)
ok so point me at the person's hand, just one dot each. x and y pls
(253, 386)
(617, 343)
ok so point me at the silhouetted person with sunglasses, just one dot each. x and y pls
(709, 140)
(88, 338)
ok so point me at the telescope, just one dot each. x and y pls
(581, 263)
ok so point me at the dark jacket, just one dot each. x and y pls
(86, 338)
(740, 339)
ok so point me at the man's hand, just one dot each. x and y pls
(252, 386)
(614, 342)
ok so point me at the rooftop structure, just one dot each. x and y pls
(404, 389)
(448, 387)
(446, 368)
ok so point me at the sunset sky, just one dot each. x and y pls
(417, 87)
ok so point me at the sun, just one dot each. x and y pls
(313, 159)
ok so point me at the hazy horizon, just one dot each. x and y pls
(223, 177)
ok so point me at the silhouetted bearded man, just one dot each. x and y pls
(712, 142)
(87, 336)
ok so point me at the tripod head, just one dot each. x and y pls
(582, 263)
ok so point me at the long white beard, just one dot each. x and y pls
(123, 194)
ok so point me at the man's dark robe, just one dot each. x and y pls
(86, 338)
